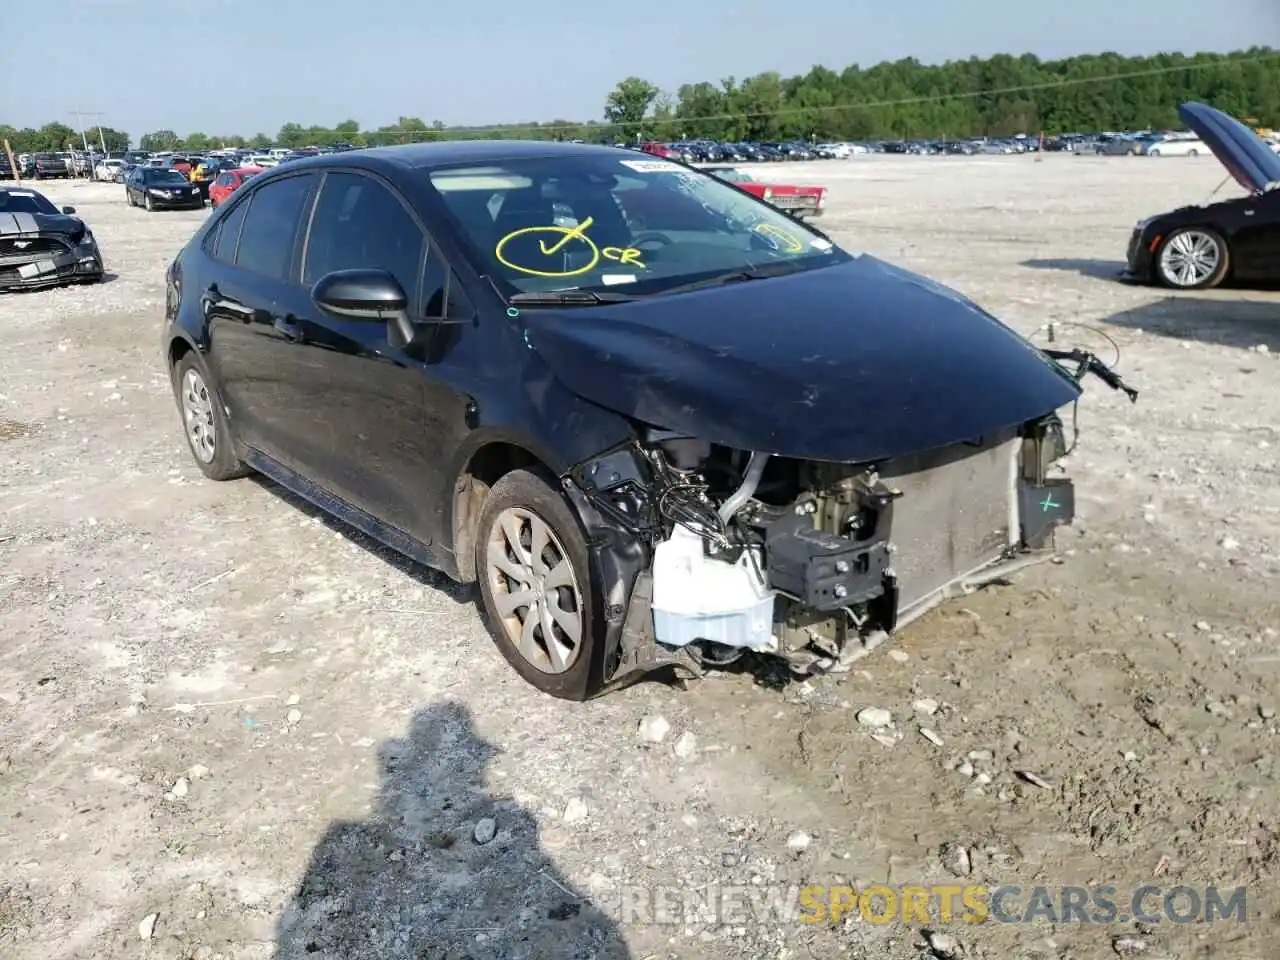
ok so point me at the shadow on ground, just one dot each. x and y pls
(1102, 269)
(1228, 321)
(411, 881)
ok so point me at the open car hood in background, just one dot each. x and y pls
(854, 362)
(1253, 164)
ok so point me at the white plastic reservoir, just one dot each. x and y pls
(699, 598)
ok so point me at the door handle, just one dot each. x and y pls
(212, 299)
(288, 326)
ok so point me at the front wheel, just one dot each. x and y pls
(149, 203)
(1193, 258)
(536, 586)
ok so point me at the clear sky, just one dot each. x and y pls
(248, 66)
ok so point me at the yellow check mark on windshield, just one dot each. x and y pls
(577, 233)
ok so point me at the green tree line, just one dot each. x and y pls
(903, 99)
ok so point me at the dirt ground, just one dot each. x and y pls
(231, 728)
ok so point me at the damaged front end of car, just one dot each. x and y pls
(34, 255)
(705, 552)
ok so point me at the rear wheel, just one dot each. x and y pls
(536, 585)
(204, 422)
(1193, 258)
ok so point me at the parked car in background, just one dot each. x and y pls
(107, 171)
(43, 246)
(228, 182)
(1178, 147)
(50, 166)
(799, 202)
(158, 188)
(1195, 247)
(663, 150)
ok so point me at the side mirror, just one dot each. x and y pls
(68, 210)
(369, 295)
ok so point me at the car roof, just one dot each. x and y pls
(447, 153)
(23, 190)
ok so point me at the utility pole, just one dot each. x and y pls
(80, 122)
(93, 115)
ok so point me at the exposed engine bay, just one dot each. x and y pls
(707, 552)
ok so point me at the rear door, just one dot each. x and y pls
(251, 285)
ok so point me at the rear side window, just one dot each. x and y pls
(270, 227)
(224, 248)
(360, 224)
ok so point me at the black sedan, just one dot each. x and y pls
(42, 246)
(157, 188)
(659, 422)
(1197, 247)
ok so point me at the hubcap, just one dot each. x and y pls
(1190, 258)
(197, 411)
(535, 590)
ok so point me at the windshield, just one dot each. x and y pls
(165, 176)
(24, 201)
(641, 224)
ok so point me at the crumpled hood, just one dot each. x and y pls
(11, 223)
(859, 361)
(1253, 164)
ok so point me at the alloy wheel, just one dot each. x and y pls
(1190, 258)
(535, 590)
(197, 414)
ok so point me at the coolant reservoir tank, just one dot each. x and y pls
(696, 597)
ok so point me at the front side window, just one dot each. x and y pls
(637, 224)
(271, 226)
(360, 224)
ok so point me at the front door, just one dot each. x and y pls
(1256, 244)
(363, 436)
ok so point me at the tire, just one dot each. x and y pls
(521, 499)
(149, 204)
(203, 408)
(1175, 249)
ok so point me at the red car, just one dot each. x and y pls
(800, 202)
(228, 182)
(655, 149)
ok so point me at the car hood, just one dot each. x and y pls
(1253, 164)
(854, 362)
(11, 223)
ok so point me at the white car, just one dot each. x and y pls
(1188, 147)
(106, 170)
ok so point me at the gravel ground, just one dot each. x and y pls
(230, 727)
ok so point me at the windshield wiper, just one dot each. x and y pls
(567, 298)
(737, 276)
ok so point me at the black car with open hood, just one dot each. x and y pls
(658, 421)
(1200, 246)
(42, 246)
